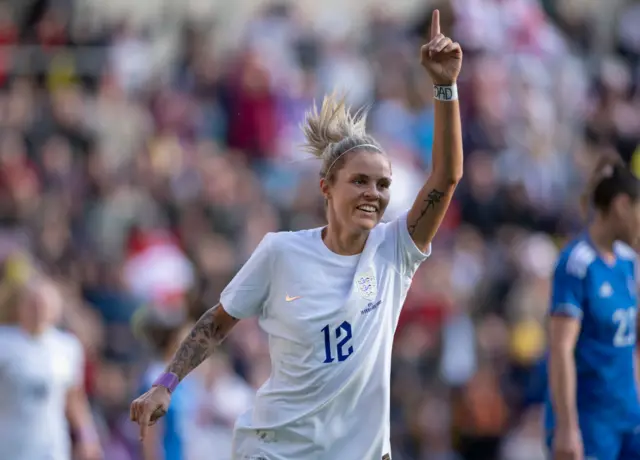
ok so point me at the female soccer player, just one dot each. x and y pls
(329, 298)
(593, 410)
(42, 396)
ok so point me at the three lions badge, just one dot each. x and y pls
(367, 285)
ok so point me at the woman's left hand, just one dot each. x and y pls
(441, 57)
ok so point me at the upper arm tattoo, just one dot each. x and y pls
(210, 330)
(433, 198)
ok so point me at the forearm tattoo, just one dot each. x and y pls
(209, 331)
(433, 198)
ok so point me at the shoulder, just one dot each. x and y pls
(576, 259)
(624, 251)
(67, 341)
(10, 333)
(278, 240)
(628, 256)
(291, 243)
(269, 244)
(11, 337)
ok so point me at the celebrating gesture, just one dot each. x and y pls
(442, 57)
(322, 294)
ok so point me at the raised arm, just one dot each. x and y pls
(210, 330)
(442, 59)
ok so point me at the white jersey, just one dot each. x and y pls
(35, 376)
(330, 320)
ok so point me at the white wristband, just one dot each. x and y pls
(445, 93)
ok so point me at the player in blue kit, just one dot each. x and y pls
(592, 411)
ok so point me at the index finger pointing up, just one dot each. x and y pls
(435, 24)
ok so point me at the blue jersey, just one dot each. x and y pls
(603, 297)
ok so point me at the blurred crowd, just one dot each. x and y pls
(139, 169)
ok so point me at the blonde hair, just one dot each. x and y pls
(21, 280)
(17, 272)
(334, 131)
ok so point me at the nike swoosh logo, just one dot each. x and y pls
(291, 299)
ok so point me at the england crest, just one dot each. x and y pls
(367, 285)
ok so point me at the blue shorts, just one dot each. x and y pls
(603, 442)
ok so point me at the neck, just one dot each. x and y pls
(342, 242)
(602, 237)
(34, 330)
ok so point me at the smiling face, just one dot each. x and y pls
(358, 193)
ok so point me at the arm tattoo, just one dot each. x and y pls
(209, 331)
(433, 198)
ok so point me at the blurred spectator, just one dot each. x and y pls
(43, 397)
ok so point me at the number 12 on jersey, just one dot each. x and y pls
(342, 338)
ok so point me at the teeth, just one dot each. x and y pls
(367, 208)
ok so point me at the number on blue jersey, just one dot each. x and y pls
(343, 336)
(625, 320)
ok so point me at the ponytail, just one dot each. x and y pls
(333, 131)
(610, 178)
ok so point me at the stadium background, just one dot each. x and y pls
(146, 147)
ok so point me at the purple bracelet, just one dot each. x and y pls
(169, 380)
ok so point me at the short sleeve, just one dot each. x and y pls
(408, 255)
(567, 297)
(245, 295)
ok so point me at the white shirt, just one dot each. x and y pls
(35, 376)
(330, 320)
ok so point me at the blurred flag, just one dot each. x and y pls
(157, 270)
